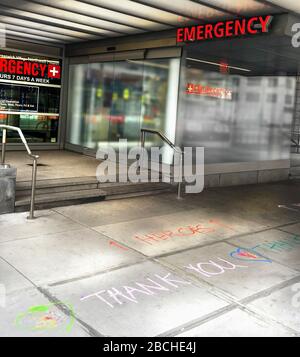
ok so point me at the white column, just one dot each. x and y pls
(171, 106)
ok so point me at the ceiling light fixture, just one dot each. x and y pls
(218, 64)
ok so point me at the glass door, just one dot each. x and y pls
(109, 101)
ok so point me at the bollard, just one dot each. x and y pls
(7, 188)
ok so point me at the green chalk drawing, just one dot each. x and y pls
(45, 318)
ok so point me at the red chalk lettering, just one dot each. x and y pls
(163, 235)
(200, 229)
(147, 239)
(184, 231)
(217, 222)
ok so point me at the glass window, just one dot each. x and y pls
(236, 81)
(233, 120)
(288, 99)
(114, 100)
(253, 81)
(273, 82)
(252, 97)
(235, 96)
(289, 83)
(272, 97)
(30, 101)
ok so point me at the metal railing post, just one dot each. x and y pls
(33, 157)
(3, 147)
(33, 187)
(168, 142)
(142, 147)
(180, 177)
(143, 139)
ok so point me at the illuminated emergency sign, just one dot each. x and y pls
(224, 29)
(217, 92)
(14, 68)
(26, 84)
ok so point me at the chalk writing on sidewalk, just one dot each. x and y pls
(277, 246)
(211, 226)
(281, 245)
(151, 286)
(211, 268)
(249, 255)
(45, 317)
(117, 245)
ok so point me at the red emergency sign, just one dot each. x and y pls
(223, 29)
(29, 68)
(53, 71)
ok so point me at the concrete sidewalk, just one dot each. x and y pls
(225, 262)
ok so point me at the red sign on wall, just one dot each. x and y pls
(33, 70)
(53, 71)
(224, 29)
(208, 91)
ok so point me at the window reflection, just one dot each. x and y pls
(39, 127)
(114, 100)
(254, 124)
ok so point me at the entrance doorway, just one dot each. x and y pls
(113, 100)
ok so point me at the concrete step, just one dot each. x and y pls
(295, 172)
(112, 189)
(43, 201)
(64, 192)
(57, 185)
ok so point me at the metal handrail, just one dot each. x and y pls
(33, 157)
(168, 142)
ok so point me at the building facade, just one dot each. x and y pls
(235, 96)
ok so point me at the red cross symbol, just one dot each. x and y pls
(190, 88)
(53, 71)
